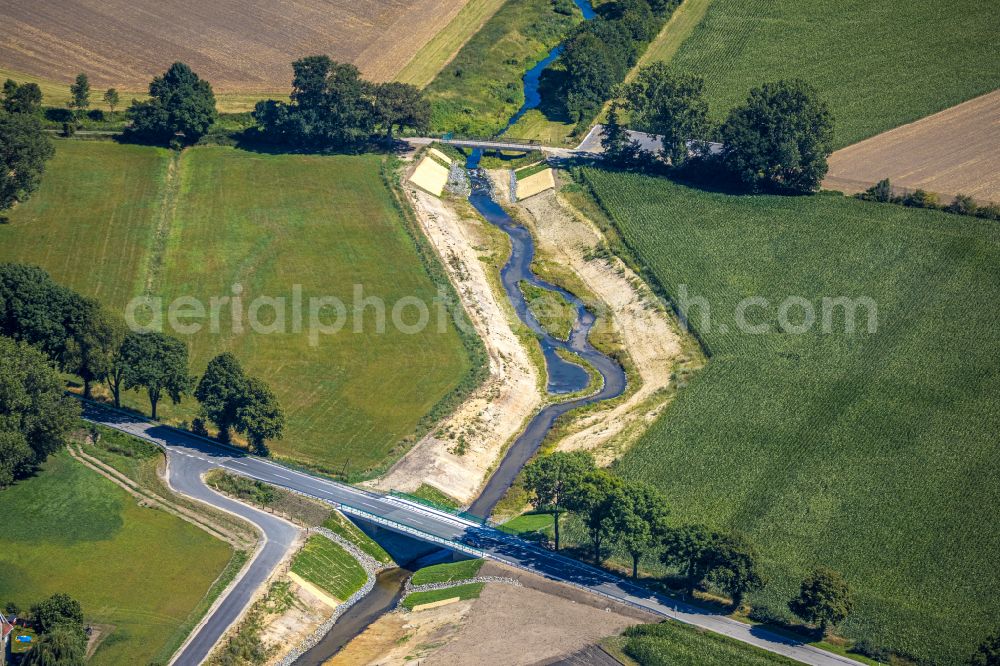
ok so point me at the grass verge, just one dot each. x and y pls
(463, 592)
(447, 572)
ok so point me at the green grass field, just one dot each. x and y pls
(674, 644)
(107, 221)
(92, 223)
(463, 592)
(481, 88)
(878, 65)
(874, 454)
(328, 566)
(447, 572)
(71, 530)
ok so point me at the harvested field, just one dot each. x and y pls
(237, 45)
(954, 151)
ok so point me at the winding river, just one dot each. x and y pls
(563, 376)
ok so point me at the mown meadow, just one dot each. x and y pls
(70, 530)
(871, 452)
(878, 65)
(116, 222)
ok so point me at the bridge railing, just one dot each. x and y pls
(400, 527)
(492, 140)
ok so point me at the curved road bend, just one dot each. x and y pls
(187, 462)
(191, 456)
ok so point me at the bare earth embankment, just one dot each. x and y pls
(951, 152)
(457, 455)
(546, 620)
(237, 45)
(648, 334)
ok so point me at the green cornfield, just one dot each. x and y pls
(877, 64)
(873, 452)
(674, 644)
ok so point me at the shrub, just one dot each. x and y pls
(880, 191)
(920, 199)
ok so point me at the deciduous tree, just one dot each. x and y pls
(824, 598)
(79, 92)
(158, 364)
(638, 520)
(21, 98)
(24, 149)
(551, 479)
(671, 106)
(591, 499)
(259, 416)
(181, 105)
(735, 567)
(58, 609)
(401, 105)
(780, 139)
(62, 646)
(34, 411)
(687, 547)
(111, 98)
(221, 391)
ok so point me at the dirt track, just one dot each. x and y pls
(954, 151)
(238, 45)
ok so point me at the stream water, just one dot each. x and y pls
(564, 377)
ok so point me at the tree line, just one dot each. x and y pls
(961, 204)
(331, 108)
(777, 141)
(599, 53)
(632, 518)
(46, 327)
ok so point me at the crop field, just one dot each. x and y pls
(481, 88)
(674, 644)
(71, 530)
(328, 566)
(124, 43)
(267, 223)
(955, 151)
(878, 65)
(874, 453)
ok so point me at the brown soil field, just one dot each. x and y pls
(237, 45)
(541, 622)
(954, 151)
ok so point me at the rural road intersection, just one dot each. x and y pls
(190, 457)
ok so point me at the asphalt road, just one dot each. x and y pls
(186, 465)
(191, 456)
